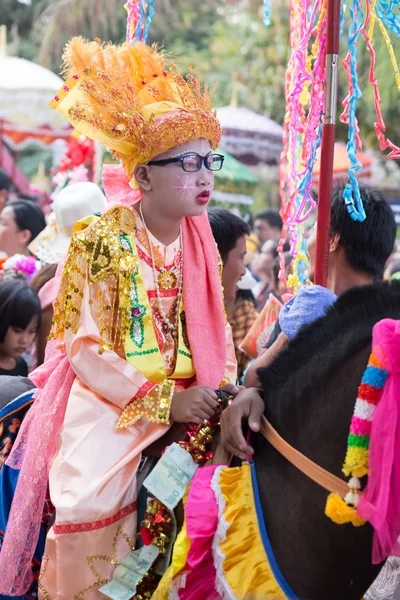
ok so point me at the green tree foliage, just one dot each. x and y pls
(224, 41)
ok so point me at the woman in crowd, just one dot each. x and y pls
(73, 203)
(20, 223)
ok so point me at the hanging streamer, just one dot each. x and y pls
(140, 15)
(305, 78)
(267, 12)
(304, 84)
(351, 195)
(368, 32)
(383, 14)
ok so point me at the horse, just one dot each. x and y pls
(309, 392)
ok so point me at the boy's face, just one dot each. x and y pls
(177, 193)
(234, 269)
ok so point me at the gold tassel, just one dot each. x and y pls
(340, 512)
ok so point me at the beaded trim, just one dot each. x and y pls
(93, 525)
(142, 352)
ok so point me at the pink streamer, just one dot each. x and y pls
(380, 127)
(301, 127)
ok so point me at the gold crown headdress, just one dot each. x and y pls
(126, 98)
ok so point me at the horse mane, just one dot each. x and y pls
(329, 342)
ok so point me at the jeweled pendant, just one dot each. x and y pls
(167, 280)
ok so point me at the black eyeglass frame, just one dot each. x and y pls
(179, 159)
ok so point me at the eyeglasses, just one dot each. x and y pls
(192, 162)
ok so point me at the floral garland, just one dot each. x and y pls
(19, 266)
(356, 461)
(77, 164)
(156, 527)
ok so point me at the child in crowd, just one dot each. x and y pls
(19, 323)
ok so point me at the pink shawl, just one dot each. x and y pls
(36, 443)
(380, 502)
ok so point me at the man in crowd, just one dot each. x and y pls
(357, 256)
(268, 225)
(230, 232)
(262, 268)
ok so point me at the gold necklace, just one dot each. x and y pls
(167, 327)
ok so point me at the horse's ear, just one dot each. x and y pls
(334, 242)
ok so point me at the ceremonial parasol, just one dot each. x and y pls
(25, 115)
(251, 138)
(341, 164)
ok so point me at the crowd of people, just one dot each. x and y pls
(150, 306)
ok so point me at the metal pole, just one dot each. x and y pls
(328, 143)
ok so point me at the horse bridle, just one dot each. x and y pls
(329, 482)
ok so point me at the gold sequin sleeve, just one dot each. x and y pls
(155, 406)
(90, 313)
(95, 255)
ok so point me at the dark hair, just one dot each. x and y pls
(227, 229)
(28, 215)
(5, 180)
(366, 245)
(19, 303)
(272, 217)
(277, 266)
(242, 295)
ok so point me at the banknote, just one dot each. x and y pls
(170, 477)
(128, 574)
(140, 561)
(116, 591)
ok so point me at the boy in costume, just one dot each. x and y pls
(140, 336)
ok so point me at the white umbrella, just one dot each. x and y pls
(26, 89)
(250, 137)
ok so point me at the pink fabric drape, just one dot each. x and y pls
(32, 453)
(201, 512)
(380, 502)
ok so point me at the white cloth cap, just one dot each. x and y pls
(73, 203)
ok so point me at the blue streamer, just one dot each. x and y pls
(310, 163)
(343, 8)
(149, 19)
(267, 13)
(351, 195)
(139, 26)
(386, 13)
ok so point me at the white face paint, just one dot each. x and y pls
(185, 185)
